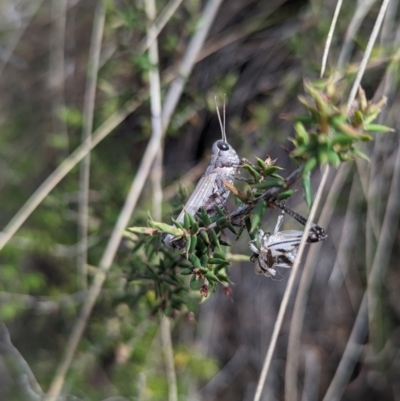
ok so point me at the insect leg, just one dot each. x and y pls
(279, 222)
(316, 233)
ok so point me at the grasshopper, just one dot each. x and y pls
(280, 248)
(210, 190)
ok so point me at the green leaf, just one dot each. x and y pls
(214, 238)
(301, 133)
(166, 228)
(196, 261)
(333, 158)
(177, 223)
(204, 260)
(195, 283)
(286, 194)
(247, 221)
(322, 155)
(214, 261)
(270, 183)
(210, 276)
(309, 166)
(194, 224)
(186, 221)
(187, 246)
(271, 170)
(360, 154)
(342, 139)
(258, 215)
(219, 211)
(186, 272)
(204, 237)
(378, 128)
(140, 230)
(252, 171)
(193, 243)
(201, 245)
(261, 163)
(306, 181)
(205, 218)
(305, 119)
(222, 221)
(231, 228)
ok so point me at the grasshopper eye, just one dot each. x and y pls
(222, 145)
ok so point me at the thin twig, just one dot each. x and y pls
(158, 25)
(330, 36)
(169, 358)
(367, 53)
(88, 112)
(136, 188)
(288, 291)
(156, 177)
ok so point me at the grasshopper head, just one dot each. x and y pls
(223, 155)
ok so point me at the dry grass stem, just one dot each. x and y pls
(159, 24)
(289, 288)
(367, 53)
(330, 36)
(156, 178)
(88, 113)
(169, 358)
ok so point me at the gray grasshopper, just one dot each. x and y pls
(210, 190)
(280, 248)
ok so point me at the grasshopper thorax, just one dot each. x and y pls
(223, 155)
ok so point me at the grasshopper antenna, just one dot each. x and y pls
(222, 124)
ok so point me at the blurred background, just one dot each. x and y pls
(258, 53)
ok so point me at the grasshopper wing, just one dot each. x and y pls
(200, 197)
(284, 242)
